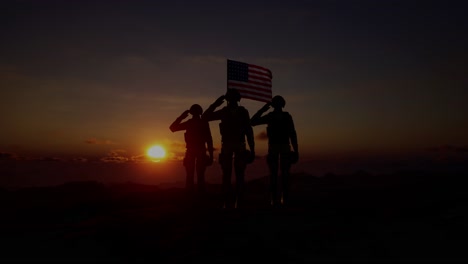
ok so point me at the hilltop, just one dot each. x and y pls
(403, 216)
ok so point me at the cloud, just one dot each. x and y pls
(8, 156)
(176, 145)
(116, 152)
(94, 141)
(139, 158)
(175, 149)
(80, 159)
(261, 136)
(56, 159)
(449, 148)
(462, 149)
(449, 153)
(114, 159)
(115, 155)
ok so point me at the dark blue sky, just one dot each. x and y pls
(358, 76)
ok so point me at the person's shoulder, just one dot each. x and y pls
(289, 118)
(288, 115)
(282, 113)
(279, 115)
(242, 109)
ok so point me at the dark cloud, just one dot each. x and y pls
(94, 141)
(177, 145)
(449, 153)
(462, 149)
(80, 159)
(449, 148)
(139, 158)
(115, 155)
(261, 136)
(56, 159)
(114, 159)
(176, 150)
(8, 156)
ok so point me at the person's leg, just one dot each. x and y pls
(239, 167)
(285, 164)
(225, 160)
(201, 167)
(189, 164)
(272, 160)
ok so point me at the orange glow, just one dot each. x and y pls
(156, 153)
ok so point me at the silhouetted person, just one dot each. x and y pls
(234, 128)
(281, 135)
(197, 139)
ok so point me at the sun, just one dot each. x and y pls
(156, 152)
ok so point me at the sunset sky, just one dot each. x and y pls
(89, 78)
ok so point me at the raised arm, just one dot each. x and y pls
(257, 118)
(210, 114)
(177, 125)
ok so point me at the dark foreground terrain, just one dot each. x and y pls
(399, 217)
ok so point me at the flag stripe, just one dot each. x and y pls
(259, 73)
(252, 92)
(253, 86)
(262, 83)
(259, 67)
(251, 96)
(262, 99)
(258, 78)
(243, 93)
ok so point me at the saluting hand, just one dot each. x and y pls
(219, 101)
(185, 114)
(265, 107)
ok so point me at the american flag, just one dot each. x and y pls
(252, 81)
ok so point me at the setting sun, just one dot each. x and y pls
(156, 152)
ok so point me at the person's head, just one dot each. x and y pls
(196, 110)
(232, 96)
(278, 102)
